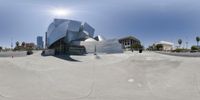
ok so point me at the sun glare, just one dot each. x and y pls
(61, 12)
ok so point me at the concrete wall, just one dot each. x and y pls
(49, 52)
(167, 47)
(13, 53)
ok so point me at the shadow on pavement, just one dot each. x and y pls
(97, 57)
(66, 57)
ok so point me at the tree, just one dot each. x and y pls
(23, 44)
(150, 48)
(180, 42)
(17, 44)
(197, 39)
(136, 47)
(17, 47)
(194, 48)
(159, 47)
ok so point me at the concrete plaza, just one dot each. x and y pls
(127, 76)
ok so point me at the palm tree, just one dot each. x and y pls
(197, 39)
(17, 44)
(179, 42)
(159, 47)
(23, 44)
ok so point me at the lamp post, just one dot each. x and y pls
(11, 43)
(95, 50)
(186, 45)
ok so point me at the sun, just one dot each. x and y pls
(61, 12)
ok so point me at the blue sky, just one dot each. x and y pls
(148, 20)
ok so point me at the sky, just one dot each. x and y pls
(148, 20)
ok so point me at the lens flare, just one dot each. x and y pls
(61, 12)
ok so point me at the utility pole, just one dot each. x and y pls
(46, 40)
(95, 50)
(186, 45)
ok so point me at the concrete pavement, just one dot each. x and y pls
(127, 76)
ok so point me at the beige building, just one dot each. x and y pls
(166, 46)
(30, 45)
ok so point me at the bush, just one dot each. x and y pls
(136, 47)
(194, 48)
(159, 47)
(180, 50)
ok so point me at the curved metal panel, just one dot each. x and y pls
(68, 29)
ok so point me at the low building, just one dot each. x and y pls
(30, 46)
(127, 42)
(165, 46)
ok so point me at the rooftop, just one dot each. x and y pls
(165, 42)
(129, 37)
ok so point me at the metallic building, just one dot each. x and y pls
(105, 46)
(67, 36)
(69, 30)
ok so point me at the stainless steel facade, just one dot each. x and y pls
(75, 37)
(69, 29)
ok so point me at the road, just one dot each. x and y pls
(127, 76)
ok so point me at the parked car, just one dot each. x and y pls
(29, 52)
(193, 51)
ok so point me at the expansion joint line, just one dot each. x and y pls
(92, 85)
(3, 96)
(196, 81)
